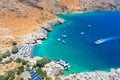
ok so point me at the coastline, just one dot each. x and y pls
(39, 35)
(95, 75)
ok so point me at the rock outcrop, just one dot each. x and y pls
(53, 69)
(50, 24)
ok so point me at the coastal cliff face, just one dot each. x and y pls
(20, 17)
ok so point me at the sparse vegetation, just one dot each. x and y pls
(4, 55)
(9, 61)
(43, 61)
(19, 60)
(42, 73)
(20, 70)
(10, 75)
(8, 53)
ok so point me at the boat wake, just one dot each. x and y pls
(103, 40)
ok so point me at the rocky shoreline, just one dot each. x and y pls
(114, 74)
(40, 34)
(57, 71)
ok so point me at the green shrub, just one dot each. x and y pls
(14, 50)
(4, 55)
(2, 77)
(29, 79)
(0, 57)
(28, 69)
(48, 78)
(8, 53)
(43, 61)
(14, 43)
(20, 70)
(24, 62)
(19, 60)
(41, 73)
(21, 79)
(10, 75)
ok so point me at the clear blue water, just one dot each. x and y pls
(80, 50)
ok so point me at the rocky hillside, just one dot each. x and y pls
(92, 4)
(20, 17)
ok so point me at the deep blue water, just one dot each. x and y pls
(80, 50)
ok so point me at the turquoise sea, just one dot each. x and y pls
(80, 50)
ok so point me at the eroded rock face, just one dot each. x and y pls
(35, 3)
(50, 24)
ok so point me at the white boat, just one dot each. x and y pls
(64, 36)
(89, 26)
(63, 42)
(82, 33)
(58, 39)
(100, 41)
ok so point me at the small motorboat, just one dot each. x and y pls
(63, 42)
(82, 33)
(58, 39)
(100, 41)
(64, 36)
(89, 26)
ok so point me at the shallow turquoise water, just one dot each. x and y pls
(80, 50)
